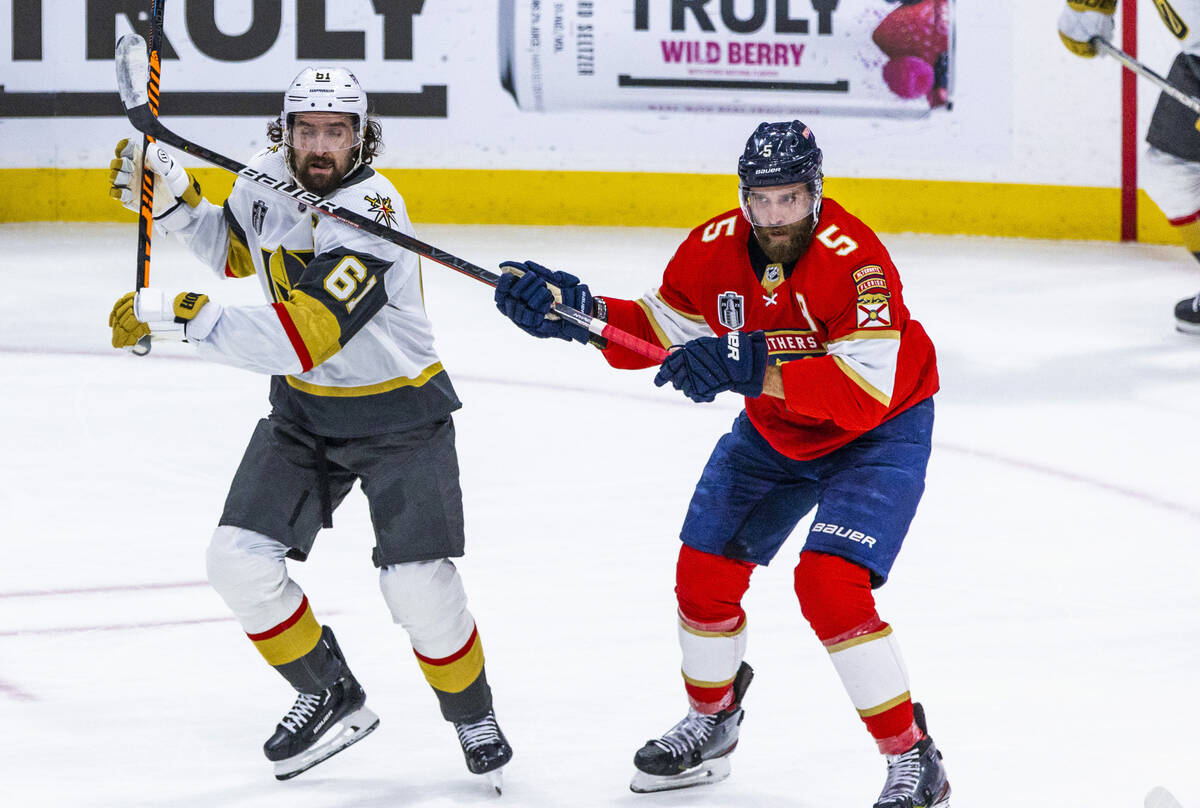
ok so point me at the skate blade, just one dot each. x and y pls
(496, 779)
(349, 730)
(708, 772)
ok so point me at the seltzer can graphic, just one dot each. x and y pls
(777, 57)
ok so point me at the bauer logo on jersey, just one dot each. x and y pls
(381, 206)
(873, 311)
(731, 311)
(258, 215)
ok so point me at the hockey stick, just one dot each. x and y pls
(146, 213)
(1109, 49)
(140, 114)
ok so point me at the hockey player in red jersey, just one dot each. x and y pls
(795, 304)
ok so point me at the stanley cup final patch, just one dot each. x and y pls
(258, 215)
(731, 312)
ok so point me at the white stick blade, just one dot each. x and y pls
(1159, 797)
(133, 71)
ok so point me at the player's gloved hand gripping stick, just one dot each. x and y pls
(133, 81)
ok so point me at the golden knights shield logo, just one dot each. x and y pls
(381, 206)
(731, 310)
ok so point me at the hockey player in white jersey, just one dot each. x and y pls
(1171, 165)
(357, 393)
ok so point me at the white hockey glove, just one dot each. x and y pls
(1083, 19)
(148, 311)
(174, 188)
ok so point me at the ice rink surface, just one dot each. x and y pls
(1046, 598)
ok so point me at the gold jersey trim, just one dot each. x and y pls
(659, 334)
(875, 393)
(366, 389)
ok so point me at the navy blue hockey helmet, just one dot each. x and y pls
(780, 154)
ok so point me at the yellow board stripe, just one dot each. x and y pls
(859, 640)
(701, 683)
(366, 389)
(887, 705)
(630, 199)
(455, 676)
(293, 643)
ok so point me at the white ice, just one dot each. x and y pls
(1046, 598)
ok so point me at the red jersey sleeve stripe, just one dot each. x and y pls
(293, 333)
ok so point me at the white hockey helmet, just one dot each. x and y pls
(325, 89)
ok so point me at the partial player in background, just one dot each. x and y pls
(795, 304)
(1171, 172)
(357, 394)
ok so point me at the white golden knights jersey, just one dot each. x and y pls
(835, 324)
(344, 332)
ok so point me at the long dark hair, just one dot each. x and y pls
(372, 143)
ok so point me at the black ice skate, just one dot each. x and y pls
(485, 748)
(696, 750)
(916, 778)
(318, 726)
(1187, 315)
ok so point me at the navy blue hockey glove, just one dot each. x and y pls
(710, 365)
(526, 301)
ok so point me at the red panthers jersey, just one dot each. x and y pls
(836, 324)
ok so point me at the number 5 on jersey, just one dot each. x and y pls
(842, 245)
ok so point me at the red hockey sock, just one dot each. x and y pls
(709, 591)
(835, 597)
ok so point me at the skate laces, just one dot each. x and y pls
(688, 734)
(478, 733)
(904, 772)
(304, 708)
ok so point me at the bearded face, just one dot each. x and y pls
(787, 243)
(784, 217)
(321, 149)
